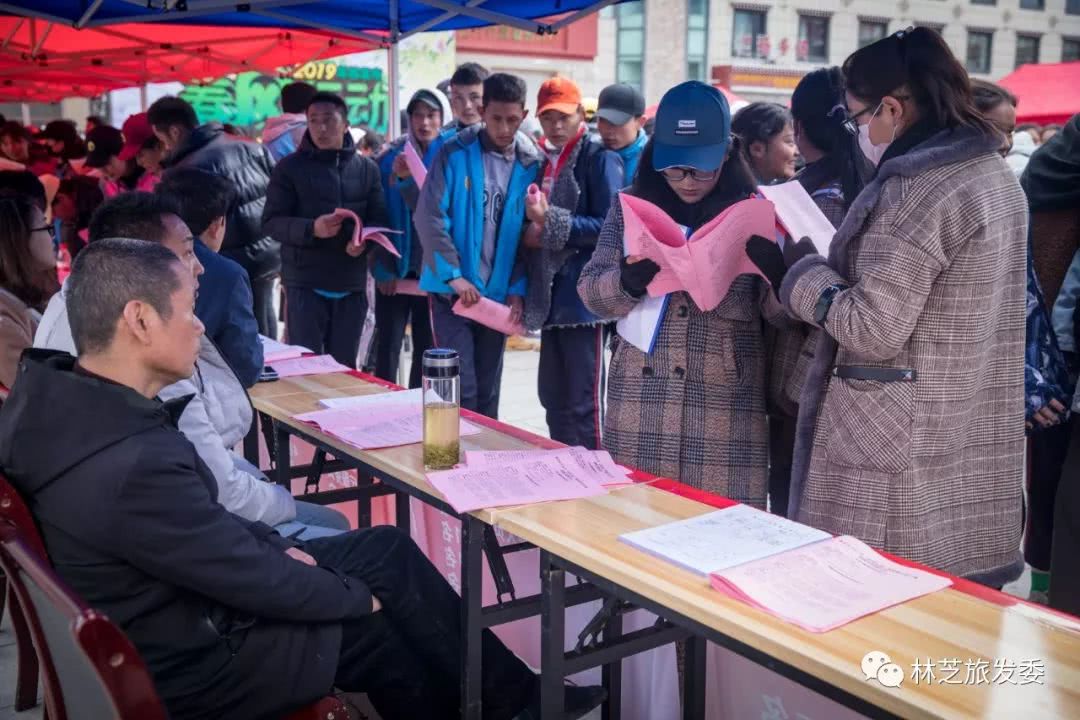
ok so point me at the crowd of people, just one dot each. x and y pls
(882, 391)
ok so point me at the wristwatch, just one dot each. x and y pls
(824, 303)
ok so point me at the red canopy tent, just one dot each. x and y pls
(44, 62)
(1047, 92)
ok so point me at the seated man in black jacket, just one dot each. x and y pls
(246, 165)
(233, 620)
(324, 275)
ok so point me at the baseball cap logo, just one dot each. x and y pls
(687, 127)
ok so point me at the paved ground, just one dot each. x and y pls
(519, 406)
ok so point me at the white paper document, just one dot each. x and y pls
(274, 350)
(797, 212)
(723, 539)
(641, 326)
(406, 397)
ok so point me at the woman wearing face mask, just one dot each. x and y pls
(911, 427)
(27, 279)
(693, 408)
(834, 174)
(768, 140)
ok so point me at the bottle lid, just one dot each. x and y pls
(441, 358)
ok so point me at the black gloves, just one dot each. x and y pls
(635, 277)
(773, 262)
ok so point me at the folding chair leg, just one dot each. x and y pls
(26, 683)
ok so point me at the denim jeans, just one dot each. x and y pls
(407, 656)
(313, 521)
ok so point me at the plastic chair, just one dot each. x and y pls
(89, 667)
(14, 510)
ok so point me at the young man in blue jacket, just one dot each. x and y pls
(620, 117)
(393, 311)
(466, 93)
(470, 216)
(580, 177)
(224, 303)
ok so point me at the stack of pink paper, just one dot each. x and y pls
(597, 463)
(274, 350)
(546, 477)
(705, 265)
(490, 314)
(826, 584)
(313, 365)
(362, 234)
(369, 428)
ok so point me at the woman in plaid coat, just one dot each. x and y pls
(694, 408)
(911, 424)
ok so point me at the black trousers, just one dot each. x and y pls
(481, 353)
(407, 656)
(1064, 566)
(325, 325)
(781, 453)
(570, 383)
(392, 314)
(1048, 450)
(262, 291)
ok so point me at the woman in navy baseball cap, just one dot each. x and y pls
(691, 406)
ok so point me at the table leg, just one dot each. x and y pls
(401, 511)
(472, 599)
(552, 637)
(364, 483)
(611, 674)
(282, 456)
(694, 679)
(251, 441)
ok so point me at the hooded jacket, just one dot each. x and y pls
(228, 625)
(313, 182)
(282, 134)
(216, 417)
(247, 165)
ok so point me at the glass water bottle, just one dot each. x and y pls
(442, 413)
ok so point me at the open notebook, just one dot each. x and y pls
(798, 573)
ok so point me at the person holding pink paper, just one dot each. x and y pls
(394, 310)
(323, 271)
(694, 408)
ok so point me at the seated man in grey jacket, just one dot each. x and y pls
(219, 413)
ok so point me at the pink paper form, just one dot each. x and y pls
(369, 429)
(416, 165)
(362, 234)
(597, 463)
(490, 314)
(547, 478)
(314, 365)
(827, 584)
(706, 264)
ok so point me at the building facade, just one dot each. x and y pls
(761, 48)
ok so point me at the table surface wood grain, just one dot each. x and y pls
(946, 625)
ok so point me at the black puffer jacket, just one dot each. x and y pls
(247, 165)
(313, 182)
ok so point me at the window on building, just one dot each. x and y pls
(1032, 4)
(1072, 7)
(984, 2)
(1027, 49)
(748, 26)
(870, 31)
(697, 40)
(813, 39)
(630, 43)
(979, 46)
(1070, 49)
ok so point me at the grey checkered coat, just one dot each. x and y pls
(694, 409)
(934, 252)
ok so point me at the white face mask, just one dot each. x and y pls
(873, 152)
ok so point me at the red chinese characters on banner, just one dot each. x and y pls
(802, 51)
(763, 46)
(785, 45)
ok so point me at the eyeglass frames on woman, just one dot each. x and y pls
(850, 122)
(675, 174)
(51, 229)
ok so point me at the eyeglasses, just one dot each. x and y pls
(850, 121)
(51, 229)
(675, 174)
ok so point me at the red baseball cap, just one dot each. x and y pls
(558, 93)
(136, 131)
